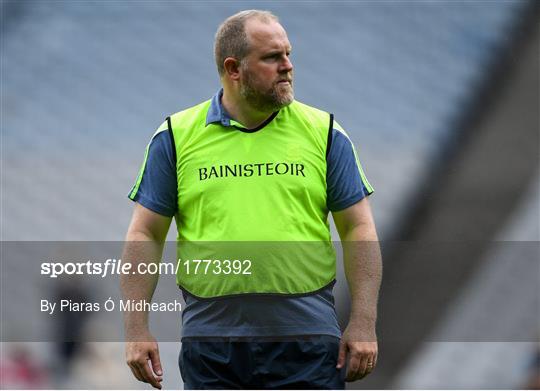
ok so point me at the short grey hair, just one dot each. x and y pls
(231, 38)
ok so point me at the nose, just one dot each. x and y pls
(286, 65)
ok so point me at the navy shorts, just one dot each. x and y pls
(261, 363)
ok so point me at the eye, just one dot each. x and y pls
(271, 57)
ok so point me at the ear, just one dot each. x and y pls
(232, 68)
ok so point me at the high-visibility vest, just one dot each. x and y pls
(252, 214)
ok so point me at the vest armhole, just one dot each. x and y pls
(329, 139)
(169, 125)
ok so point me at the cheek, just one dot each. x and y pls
(263, 76)
(265, 79)
(268, 72)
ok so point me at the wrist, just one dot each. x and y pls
(362, 320)
(361, 332)
(137, 331)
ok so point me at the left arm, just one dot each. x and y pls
(363, 270)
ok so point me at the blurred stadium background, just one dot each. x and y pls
(440, 99)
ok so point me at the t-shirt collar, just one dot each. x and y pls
(216, 112)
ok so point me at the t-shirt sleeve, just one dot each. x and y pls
(155, 186)
(346, 182)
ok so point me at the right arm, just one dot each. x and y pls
(144, 244)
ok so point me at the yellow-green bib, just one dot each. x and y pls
(253, 196)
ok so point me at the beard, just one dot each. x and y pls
(273, 99)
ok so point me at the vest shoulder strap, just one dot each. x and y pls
(182, 124)
(311, 113)
(321, 122)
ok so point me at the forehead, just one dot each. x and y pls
(263, 36)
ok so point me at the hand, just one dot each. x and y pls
(137, 355)
(362, 352)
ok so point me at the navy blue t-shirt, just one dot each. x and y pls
(254, 315)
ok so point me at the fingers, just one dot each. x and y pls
(135, 372)
(342, 355)
(148, 376)
(354, 366)
(375, 359)
(156, 362)
(143, 360)
(372, 362)
(366, 366)
(362, 360)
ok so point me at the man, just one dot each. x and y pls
(252, 165)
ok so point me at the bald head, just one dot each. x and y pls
(232, 39)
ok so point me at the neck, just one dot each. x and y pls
(242, 112)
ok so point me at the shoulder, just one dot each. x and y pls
(300, 107)
(190, 114)
(310, 116)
